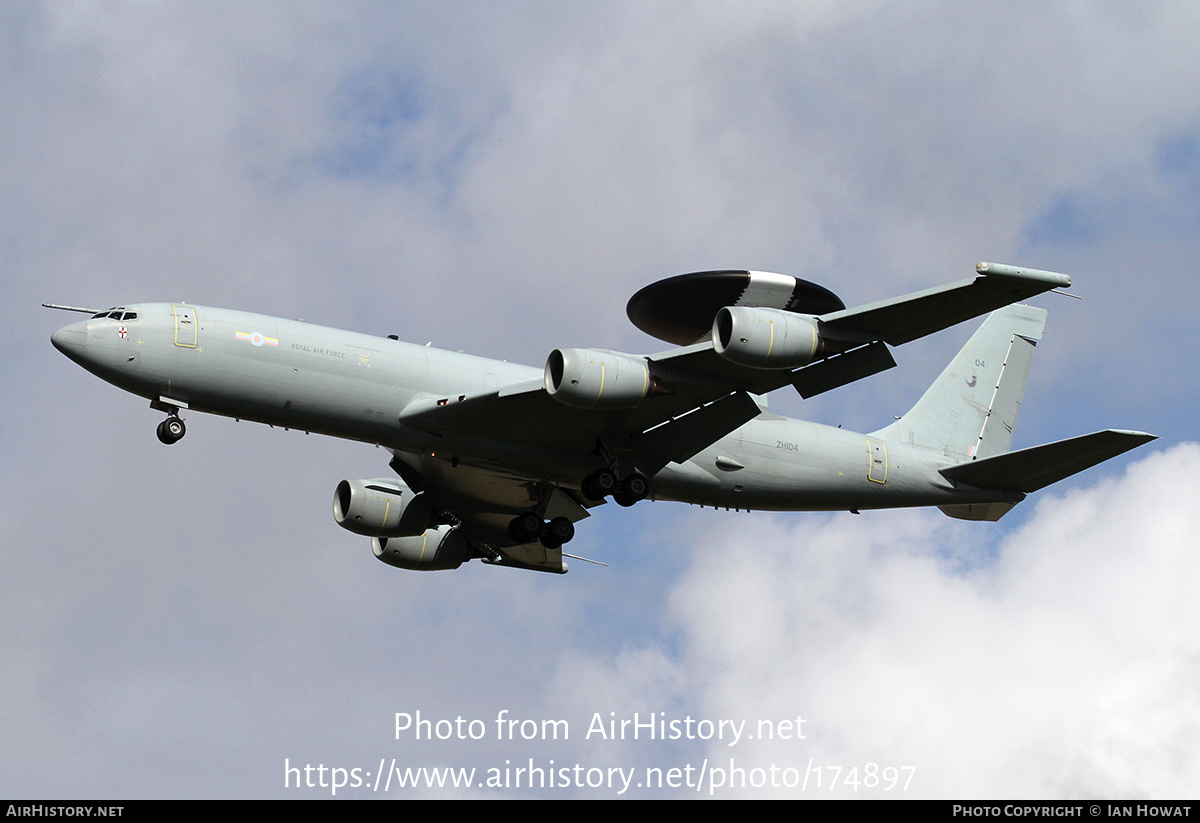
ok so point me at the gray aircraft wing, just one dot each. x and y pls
(665, 428)
(903, 319)
(856, 339)
(542, 468)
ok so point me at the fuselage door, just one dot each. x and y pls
(877, 468)
(187, 328)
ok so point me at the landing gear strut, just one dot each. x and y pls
(171, 430)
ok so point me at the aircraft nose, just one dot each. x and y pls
(71, 340)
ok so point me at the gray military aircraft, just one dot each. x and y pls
(498, 461)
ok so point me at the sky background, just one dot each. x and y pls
(500, 178)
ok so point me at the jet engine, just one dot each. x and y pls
(595, 378)
(443, 548)
(384, 507)
(766, 338)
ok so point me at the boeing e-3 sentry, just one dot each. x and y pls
(497, 462)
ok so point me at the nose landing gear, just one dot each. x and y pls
(171, 430)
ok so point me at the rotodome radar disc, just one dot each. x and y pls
(681, 309)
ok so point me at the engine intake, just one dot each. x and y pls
(766, 338)
(383, 507)
(596, 378)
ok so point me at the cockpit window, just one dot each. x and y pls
(117, 313)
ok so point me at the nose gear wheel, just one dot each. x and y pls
(171, 430)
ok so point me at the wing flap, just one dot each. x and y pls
(531, 556)
(680, 438)
(841, 369)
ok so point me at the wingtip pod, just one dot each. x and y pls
(1052, 278)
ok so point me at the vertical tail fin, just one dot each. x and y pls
(971, 409)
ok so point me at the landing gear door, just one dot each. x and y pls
(187, 329)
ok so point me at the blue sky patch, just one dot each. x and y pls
(1178, 162)
(1069, 219)
(374, 112)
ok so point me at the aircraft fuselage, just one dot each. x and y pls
(356, 386)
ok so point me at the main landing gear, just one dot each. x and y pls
(527, 526)
(171, 430)
(625, 492)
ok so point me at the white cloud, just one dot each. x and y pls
(1065, 665)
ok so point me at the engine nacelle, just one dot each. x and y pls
(437, 549)
(595, 378)
(766, 338)
(383, 507)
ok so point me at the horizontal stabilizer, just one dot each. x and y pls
(990, 512)
(1028, 470)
